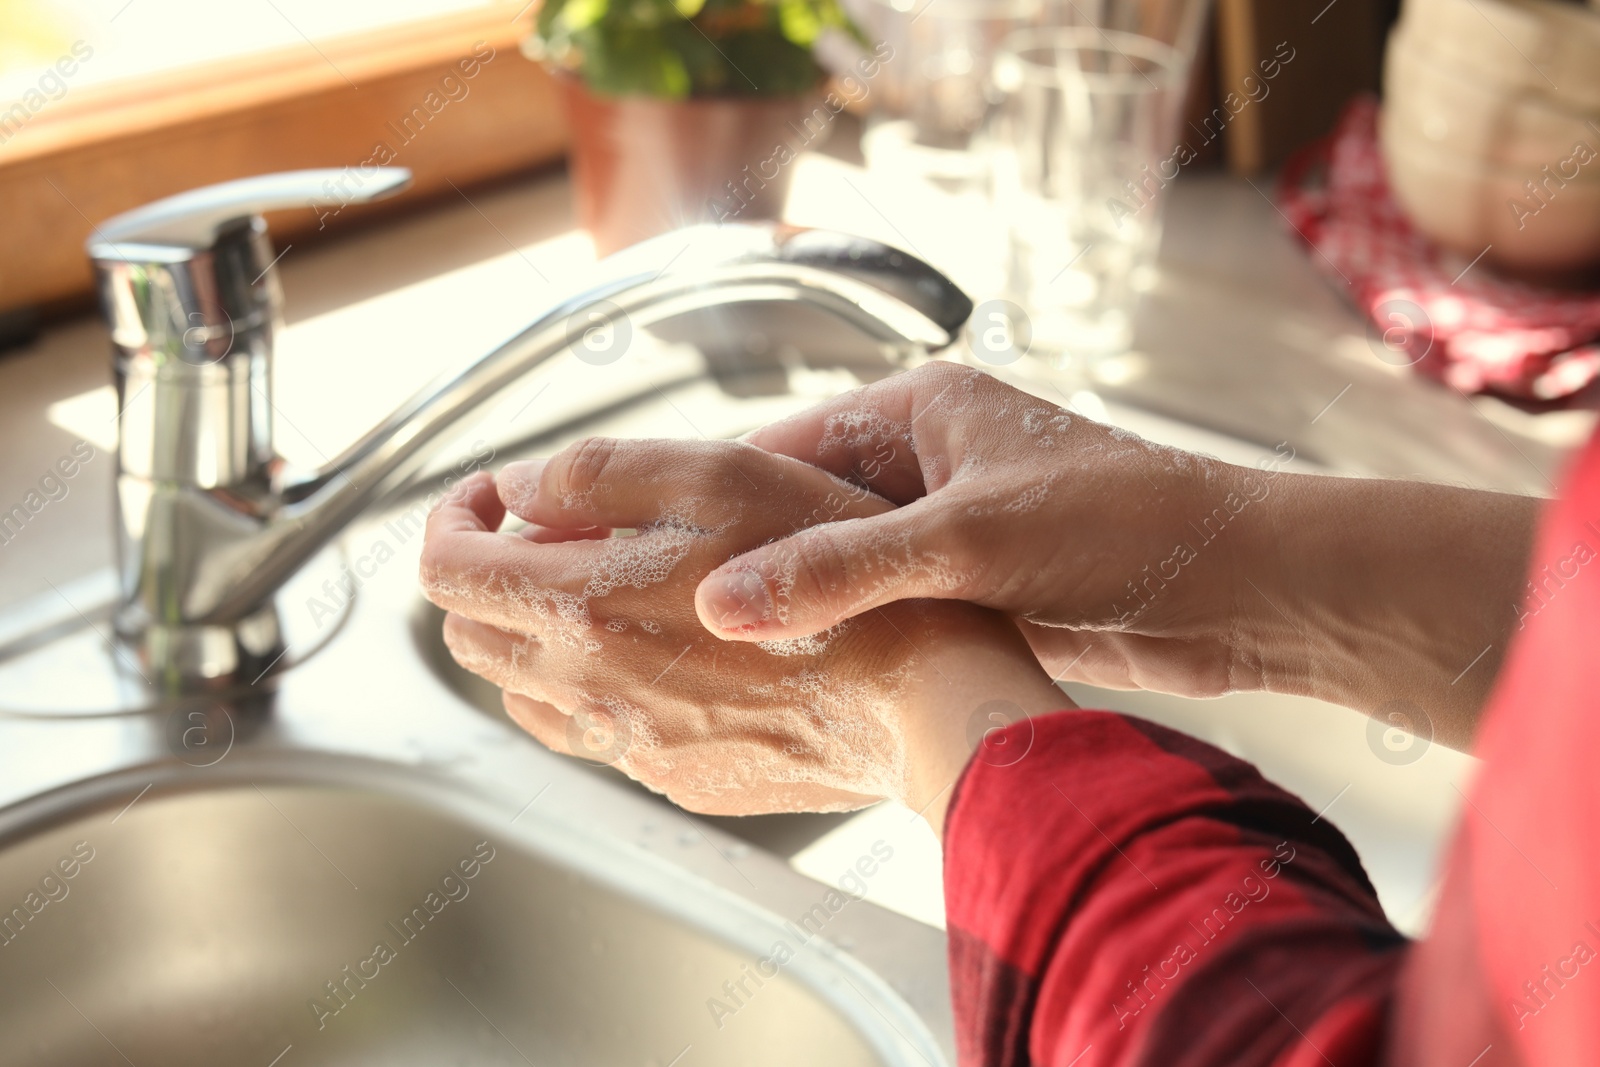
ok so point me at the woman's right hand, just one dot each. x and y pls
(1131, 564)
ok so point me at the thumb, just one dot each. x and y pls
(820, 576)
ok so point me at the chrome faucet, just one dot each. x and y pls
(210, 523)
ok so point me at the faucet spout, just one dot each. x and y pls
(212, 558)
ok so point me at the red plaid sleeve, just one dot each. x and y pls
(1123, 894)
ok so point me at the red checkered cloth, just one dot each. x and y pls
(1470, 328)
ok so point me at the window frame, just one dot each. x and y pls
(103, 149)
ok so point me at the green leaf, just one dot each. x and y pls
(650, 47)
(629, 61)
(672, 77)
(647, 14)
(799, 22)
(544, 21)
(581, 14)
(778, 67)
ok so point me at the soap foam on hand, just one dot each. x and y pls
(716, 725)
(808, 645)
(861, 428)
(1046, 424)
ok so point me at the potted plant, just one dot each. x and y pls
(684, 111)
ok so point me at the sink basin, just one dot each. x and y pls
(209, 918)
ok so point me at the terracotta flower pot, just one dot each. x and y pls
(642, 166)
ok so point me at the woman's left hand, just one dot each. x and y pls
(599, 649)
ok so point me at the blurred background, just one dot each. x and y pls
(166, 95)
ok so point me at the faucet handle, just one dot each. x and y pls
(192, 219)
(189, 288)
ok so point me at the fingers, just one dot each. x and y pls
(546, 722)
(506, 659)
(518, 484)
(497, 578)
(828, 573)
(594, 734)
(878, 436)
(471, 506)
(543, 582)
(605, 481)
(544, 535)
(610, 483)
(515, 664)
(796, 587)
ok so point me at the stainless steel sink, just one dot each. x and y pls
(235, 917)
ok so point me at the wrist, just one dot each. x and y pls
(1376, 593)
(962, 713)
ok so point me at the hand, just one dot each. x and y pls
(597, 645)
(1130, 564)
(1011, 502)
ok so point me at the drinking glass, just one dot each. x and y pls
(1083, 142)
(934, 91)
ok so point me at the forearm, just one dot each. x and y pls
(1365, 592)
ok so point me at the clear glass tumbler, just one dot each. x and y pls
(934, 92)
(1083, 142)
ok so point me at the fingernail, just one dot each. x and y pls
(518, 485)
(737, 599)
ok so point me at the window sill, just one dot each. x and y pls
(451, 98)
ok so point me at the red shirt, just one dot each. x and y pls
(1124, 895)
